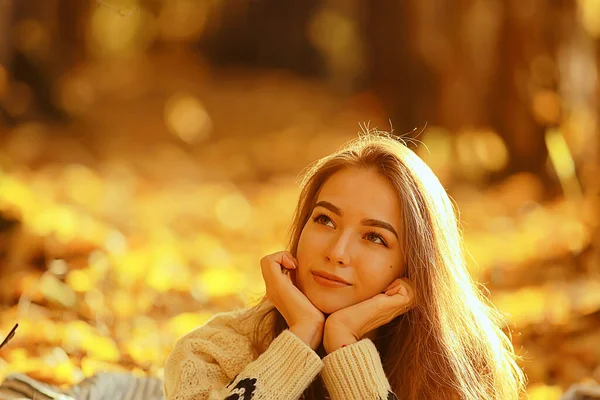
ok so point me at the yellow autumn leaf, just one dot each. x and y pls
(544, 392)
(54, 289)
(80, 280)
(186, 322)
(122, 304)
(163, 277)
(143, 351)
(63, 369)
(17, 355)
(3, 369)
(61, 220)
(15, 192)
(168, 269)
(91, 366)
(101, 348)
(26, 366)
(219, 281)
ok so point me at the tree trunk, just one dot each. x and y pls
(6, 17)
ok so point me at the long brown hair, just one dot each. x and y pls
(450, 345)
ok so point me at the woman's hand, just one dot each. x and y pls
(304, 319)
(350, 324)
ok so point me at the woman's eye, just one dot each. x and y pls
(322, 219)
(376, 238)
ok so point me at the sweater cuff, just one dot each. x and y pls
(355, 372)
(288, 364)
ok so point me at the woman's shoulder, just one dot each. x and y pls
(246, 322)
(221, 348)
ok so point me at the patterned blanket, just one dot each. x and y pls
(121, 386)
(103, 386)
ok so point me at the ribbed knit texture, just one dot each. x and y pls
(355, 372)
(217, 361)
(289, 364)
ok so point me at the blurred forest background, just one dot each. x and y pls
(150, 152)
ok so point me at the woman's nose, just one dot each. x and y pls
(339, 250)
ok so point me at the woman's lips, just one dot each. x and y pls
(328, 282)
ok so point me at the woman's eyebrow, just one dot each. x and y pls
(334, 209)
(365, 221)
(379, 224)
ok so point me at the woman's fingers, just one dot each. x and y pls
(278, 263)
(402, 288)
(287, 261)
(279, 272)
(410, 289)
(393, 291)
(395, 283)
(278, 269)
(288, 265)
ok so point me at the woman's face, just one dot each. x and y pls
(353, 234)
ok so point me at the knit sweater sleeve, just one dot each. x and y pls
(355, 372)
(217, 362)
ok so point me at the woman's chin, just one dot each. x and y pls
(325, 301)
(327, 306)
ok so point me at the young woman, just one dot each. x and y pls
(372, 300)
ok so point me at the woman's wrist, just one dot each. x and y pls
(334, 340)
(310, 335)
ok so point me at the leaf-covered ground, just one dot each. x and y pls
(150, 212)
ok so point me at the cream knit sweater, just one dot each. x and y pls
(217, 361)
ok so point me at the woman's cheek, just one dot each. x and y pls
(375, 281)
(315, 243)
